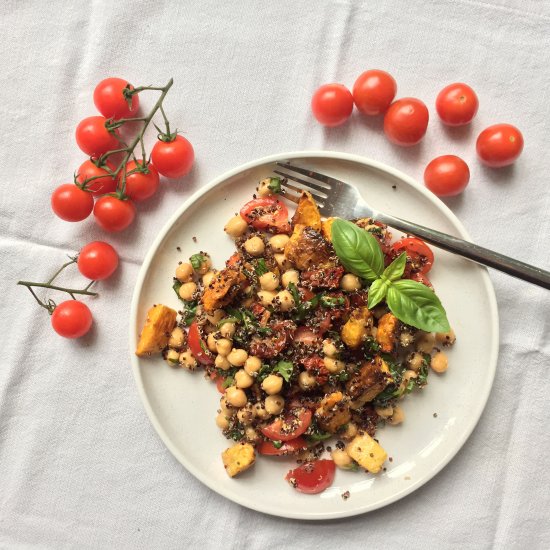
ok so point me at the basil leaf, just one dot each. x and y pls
(395, 270)
(284, 368)
(357, 249)
(377, 292)
(197, 260)
(416, 305)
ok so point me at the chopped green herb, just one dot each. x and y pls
(197, 260)
(228, 320)
(229, 381)
(260, 267)
(274, 185)
(422, 378)
(285, 369)
(277, 444)
(329, 301)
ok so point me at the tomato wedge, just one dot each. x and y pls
(295, 423)
(418, 251)
(287, 447)
(267, 213)
(312, 477)
(197, 346)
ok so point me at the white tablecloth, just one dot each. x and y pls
(80, 464)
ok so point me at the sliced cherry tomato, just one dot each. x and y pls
(312, 477)
(71, 203)
(406, 121)
(374, 91)
(198, 347)
(93, 137)
(457, 104)
(418, 251)
(110, 100)
(97, 260)
(305, 335)
(324, 277)
(421, 278)
(332, 104)
(142, 181)
(114, 214)
(267, 213)
(173, 159)
(270, 346)
(104, 182)
(315, 365)
(499, 145)
(296, 421)
(286, 448)
(447, 175)
(71, 319)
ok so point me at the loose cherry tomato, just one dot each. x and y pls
(312, 477)
(287, 447)
(173, 159)
(142, 181)
(93, 137)
(374, 91)
(71, 203)
(499, 145)
(110, 100)
(447, 175)
(97, 260)
(418, 251)
(71, 319)
(296, 422)
(197, 346)
(266, 213)
(406, 121)
(114, 214)
(332, 104)
(104, 184)
(457, 104)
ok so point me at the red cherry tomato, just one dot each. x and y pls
(270, 346)
(406, 121)
(198, 347)
(93, 137)
(104, 184)
(332, 104)
(173, 159)
(72, 204)
(266, 213)
(110, 100)
(296, 422)
(71, 319)
(420, 277)
(457, 104)
(114, 214)
(306, 336)
(287, 448)
(97, 260)
(499, 145)
(447, 175)
(374, 91)
(142, 181)
(312, 477)
(418, 251)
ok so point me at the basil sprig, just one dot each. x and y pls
(410, 301)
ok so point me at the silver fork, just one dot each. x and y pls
(337, 198)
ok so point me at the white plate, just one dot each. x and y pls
(182, 405)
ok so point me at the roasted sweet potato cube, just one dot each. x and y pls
(326, 226)
(155, 334)
(386, 334)
(356, 327)
(333, 412)
(307, 212)
(368, 453)
(371, 379)
(238, 458)
(225, 285)
(307, 248)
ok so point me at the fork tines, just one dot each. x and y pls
(317, 188)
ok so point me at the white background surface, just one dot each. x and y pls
(80, 465)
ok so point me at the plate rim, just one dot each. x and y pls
(133, 332)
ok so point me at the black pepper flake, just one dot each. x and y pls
(345, 495)
(394, 186)
(178, 248)
(194, 239)
(435, 415)
(390, 459)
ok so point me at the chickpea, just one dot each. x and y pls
(284, 300)
(208, 277)
(329, 348)
(254, 246)
(216, 316)
(282, 261)
(243, 379)
(205, 263)
(252, 365)
(425, 343)
(177, 338)
(187, 291)
(274, 404)
(226, 408)
(221, 362)
(235, 397)
(408, 375)
(236, 226)
(184, 272)
(211, 342)
(333, 365)
(246, 415)
(278, 242)
(397, 416)
(374, 331)
(415, 361)
(290, 276)
(306, 381)
(259, 411)
(237, 357)
(350, 282)
(266, 297)
(272, 384)
(172, 357)
(187, 360)
(227, 330)
(223, 346)
(446, 338)
(263, 188)
(251, 434)
(439, 363)
(350, 432)
(341, 459)
(222, 422)
(384, 412)
(269, 281)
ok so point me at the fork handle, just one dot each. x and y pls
(469, 250)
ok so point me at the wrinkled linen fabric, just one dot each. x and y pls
(80, 464)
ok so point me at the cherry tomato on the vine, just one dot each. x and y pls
(312, 477)
(173, 159)
(71, 203)
(100, 186)
(406, 121)
(93, 137)
(110, 100)
(71, 319)
(97, 260)
(142, 181)
(332, 104)
(374, 91)
(114, 214)
(457, 104)
(499, 145)
(447, 175)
